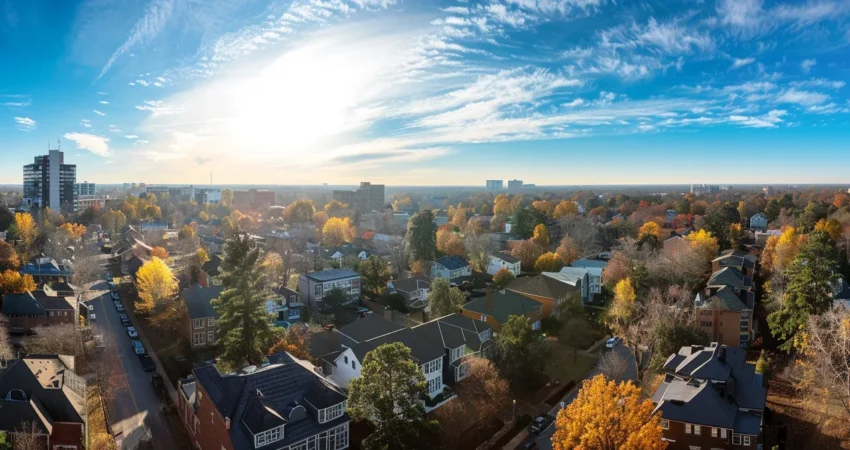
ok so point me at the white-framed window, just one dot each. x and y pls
(331, 413)
(197, 323)
(746, 440)
(435, 385)
(538, 309)
(199, 338)
(433, 366)
(736, 439)
(338, 437)
(723, 433)
(713, 432)
(665, 424)
(457, 353)
(697, 430)
(210, 322)
(269, 436)
(694, 447)
(688, 429)
(211, 337)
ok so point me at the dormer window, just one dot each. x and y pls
(267, 437)
(328, 414)
(484, 335)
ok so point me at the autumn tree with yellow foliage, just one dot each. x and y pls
(156, 285)
(780, 250)
(704, 243)
(565, 208)
(27, 232)
(337, 230)
(832, 227)
(544, 206)
(541, 236)
(548, 262)
(502, 206)
(73, 231)
(450, 243)
(623, 305)
(608, 416)
(12, 282)
(650, 229)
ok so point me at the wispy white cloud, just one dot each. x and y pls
(103, 102)
(807, 65)
(819, 82)
(154, 20)
(741, 62)
(142, 82)
(750, 18)
(801, 97)
(25, 124)
(98, 112)
(158, 108)
(131, 136)
(98, 145)
(770, 120)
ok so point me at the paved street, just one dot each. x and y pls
(544, 442)
(136, 409)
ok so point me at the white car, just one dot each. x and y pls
(611, 343)
(138, 347)
(131, 331)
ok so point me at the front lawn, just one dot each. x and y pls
(566, 364)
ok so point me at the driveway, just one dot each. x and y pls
(629, 372)
(135, 413)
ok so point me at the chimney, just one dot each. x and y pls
(227, 423)
(489, 300)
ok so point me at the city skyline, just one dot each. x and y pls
(557, 92)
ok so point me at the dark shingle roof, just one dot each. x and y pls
(728, 300)
(56, 403)
(730, 276)
(211, 266)
(22, 305)
(545, 285)
(369, 327)
(323, 343)
(506, 258)
(503, 305)
(735, 258)
(332, 274)
(54, 303)
(452, 262)
(453, 331)
(411, 284)
(198, 301)
(322, 394)
(421, 349)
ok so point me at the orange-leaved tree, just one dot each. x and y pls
(650, 229)
(156, 285)
(12, 282)
(608, 416)
(159, 252)
(502, 278)
(296, 341)
(74, 231)
(832, 227)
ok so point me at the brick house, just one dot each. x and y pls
(711, 398)
(744, 262)
(31, 309)
(495, 309)
(200, 315)
(724, 310)
(43, 390)
(284, 405)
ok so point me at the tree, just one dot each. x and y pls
(337, 231)
(399, 254)
(670, 337)
(519, 354)
(650, 229)
(525, 220)
(704, 243)
(717, 222)
(299, 212)
(477, 251)
(623, 307)
(114, 221)
(809, 289)
(12, 282)
(61, 339)
(388, 392)
(335, 208)
(6, 218)
(226, 197)
(375, 274)
(548, 262)
(527, 252)
(27, 232)
(544, 206)
(187, 232)
(73, 231)
(196, 261)
(831, 227)
(502, 206)
(824, 354)
(6, 350)
(502, 278)
(541, 236)
(565, 208)
(8, 257)
(450, 243)
(567, 251)
(245, 329)
(444, 299)
(159, 252)
(608, 416)
(28, 436)
(156, 285)
(736, 234)
(422, 236)
(296, 341)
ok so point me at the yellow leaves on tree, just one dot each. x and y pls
(159, 252)
(567, 250)
(624, 303)
(420, 267)
(565, 208)
(337, 230)
(187, 233)
(736, 233)
(548, 262)
(450, 243)
(704, 243)
(541, 236)
(832, 227)
(27, 232)
(544, 206)
(608, 416)
(12, 282)
(502, 206)
(155, 284)
(780, 250)
(74, 231)
(650, 229)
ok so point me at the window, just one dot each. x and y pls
(331, 413)
(198, 338)
(318, 291)
(457, 353)
(345, 358)
(697, 430)
(435, 385)
(687, 428)
(538, 309)
(198, 323)
(353, 364)
(745, 325)
(338, 437)
(210, 322)
(484, 335)
(705, 323)
(665, 424)
(211, 337)
(267, 437)
(746, 440)
(433, 366)
(483, 318)
(723, 433)
(736, 439)
(713, 432)
(694, 447)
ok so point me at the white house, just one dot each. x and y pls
(314, 285)
(595, 268)
(451, 267)
(503, 261)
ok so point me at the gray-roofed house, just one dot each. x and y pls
(744, 262)
(500, 261)
(201, 316)
(208, 275)
(495, 308)
(314, 285)
(725, 308)
(285, 404)
(414, 289)
(37, 308)
(455, 268)
(461, 338)
(710, 398)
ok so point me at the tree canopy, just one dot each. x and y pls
(155, 283)
(375, 274)
(422, 236)
(525, 220)
(444, 299)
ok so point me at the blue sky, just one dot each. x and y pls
(426, 93)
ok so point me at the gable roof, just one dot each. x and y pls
(503, 305)
(505, 257)
(735, 258)
(548, 285)
(730, 276)
(211, 266)
(728, 300)
(422, 350)
(590, 263)
(453, 331)
(199, 301)
(452, 262)
(369, 327)
(50, 302)
(22, 305)
(411, 283)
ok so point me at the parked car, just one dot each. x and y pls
(541, 423)
(131, 331)
(124, 320)
(529, 444)
(611, 343)
(119, 307)
(111, 286)
(147, 363)
(138, 347)
(115, 296)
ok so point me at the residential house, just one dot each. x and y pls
(503, 261)
(43, 390)
(674, 245)
(414, 289)
(462, 338)
(314, 285)
(337, 256)
(710, 398)
(60, 289)
(201, 317)
(46, 270)
(744, 262)
(455, 268)
(36, 308)
(286, 306)
(209, 273)
(595, 269)
(758, 222)
(725, 308)
(495, 309)
(551, 289)
(283, 405)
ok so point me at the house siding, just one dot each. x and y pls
(342, 372)
(67, 433)
(677, 439)
(725, 326)
(211, 433)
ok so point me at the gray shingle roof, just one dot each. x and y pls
(332, 274)
(369, 327)
(421, 349)
(211, 266)
(56, 403)
(452, 262)
(728, 300)
(503, 305)
(506, 258)
(730, 276)
(21, 305)
(549, 285)
(198, 301)
(411, 284)
(453, 331)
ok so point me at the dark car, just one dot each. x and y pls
(115, 296)
(147, 363)
(124, 320)
(529, 444)
(541, 423)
